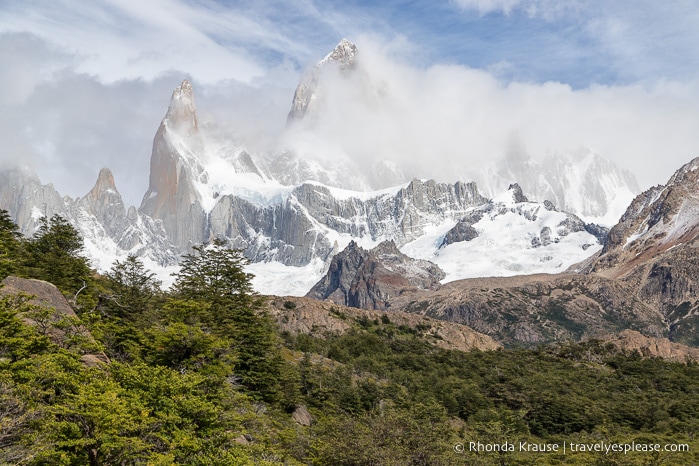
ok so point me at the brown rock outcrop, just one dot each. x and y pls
(46, 295)
(308, 316)
(538, 309)
(649, 347)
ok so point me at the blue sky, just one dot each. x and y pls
(632, 65)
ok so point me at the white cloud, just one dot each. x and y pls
(132, 39)
(444, 121)
(92, 92)
(548, 9)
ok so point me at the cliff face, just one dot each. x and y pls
(370, 279)
(175, 172)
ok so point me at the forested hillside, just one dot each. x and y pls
(200, 374)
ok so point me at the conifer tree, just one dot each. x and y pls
(134, 289)
(214, 275)
(54, 256)
(10, 245)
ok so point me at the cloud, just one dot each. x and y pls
(85, 84)
(548, 9)
(446, 122)
(131, 39)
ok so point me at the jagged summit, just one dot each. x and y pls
(176, 170)
(343, 54)
(181, 114)
(517, 194)
(104, 183)
(659, 219)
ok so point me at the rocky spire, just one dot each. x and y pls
(176, 170)
(104, 184)
(343, 56)
(181, 115)
(105, 203)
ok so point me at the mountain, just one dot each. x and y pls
(369, 279)
(642, 277)
(582, 182)
(291, 213)
(324, 111)
(176, 172)
(508, 235)
(309, 90)
(202, 188)
(653, 249)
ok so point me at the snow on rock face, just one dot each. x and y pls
(202, 186)
(504, 237)
(658, 219)
(582, 182)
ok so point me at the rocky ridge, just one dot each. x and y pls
(321, 318)
(647, 347)
(538, 309)
(370, 279)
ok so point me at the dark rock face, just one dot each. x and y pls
(369, 279)
(463, 231)
(517, 193)
(548, 205)
(598, 231)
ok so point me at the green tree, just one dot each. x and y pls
(11, 247)
(133, 289)
(214, 276)
(55, 257)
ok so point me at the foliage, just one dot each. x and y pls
(134, 290)
(214, 277)
(54, 256)
(11, 247)
(200, 375)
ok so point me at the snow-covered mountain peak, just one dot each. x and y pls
(181, 115)
(343, 54)
(307, 92)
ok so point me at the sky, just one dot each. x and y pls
(84, 85)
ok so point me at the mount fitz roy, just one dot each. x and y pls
(292, 216)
